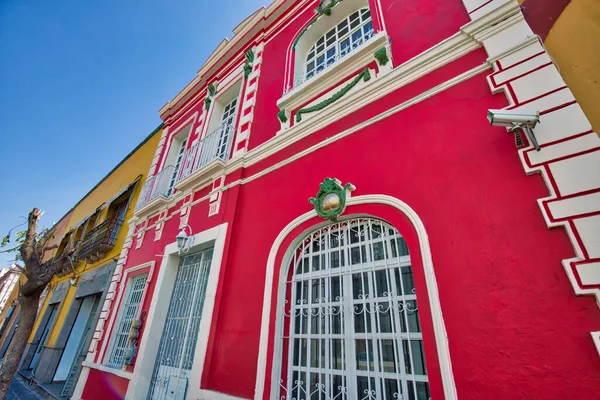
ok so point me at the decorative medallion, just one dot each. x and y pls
(330, 201)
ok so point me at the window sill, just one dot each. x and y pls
(151, 207)
(327, 79)
(109, 370)
(203, 176)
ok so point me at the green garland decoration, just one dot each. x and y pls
(249, 63)
(282, 117)
(364, 75)
(381, 56)
(320, 11)
(212, 90)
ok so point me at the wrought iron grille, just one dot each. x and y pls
(101, 238)
(156, 186)
(178, 342)
(215, 145)
(131, 302)
(354, 328)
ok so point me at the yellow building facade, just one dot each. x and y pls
(93, 239)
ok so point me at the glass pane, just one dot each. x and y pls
(337, 359)
(388, 358)
(364, 356)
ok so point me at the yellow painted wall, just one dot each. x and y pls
(138, 163)
(574, 43)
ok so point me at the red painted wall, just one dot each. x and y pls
(514, 326)
(498, 267)
(103, 386)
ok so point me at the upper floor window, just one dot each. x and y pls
(338, 42)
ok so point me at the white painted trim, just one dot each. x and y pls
(191, 121)
(83, 376)
(212, 395)
(441, 338)
(144, 366)
(114, 371)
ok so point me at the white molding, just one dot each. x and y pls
(144, 366)
(212, 395)
(114, 371)
(83, 376)
(443, 351)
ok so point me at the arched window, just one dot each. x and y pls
(347, 35)
(351, 326)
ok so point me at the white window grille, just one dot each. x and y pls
(338, 42)
(227, 120)
(352, 331)
(128, 312)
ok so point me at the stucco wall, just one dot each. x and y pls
(574, 43)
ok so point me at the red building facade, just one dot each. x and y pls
(422, 269)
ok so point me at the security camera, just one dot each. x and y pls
(516, 121)
(511, 118)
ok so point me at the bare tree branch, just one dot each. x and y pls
(10, 250)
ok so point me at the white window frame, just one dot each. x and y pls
(120, 318)
(331, 42)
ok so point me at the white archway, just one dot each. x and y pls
(441, 339)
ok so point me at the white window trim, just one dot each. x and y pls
(336, 44)
(117, 304)
(328, 78)
(119, 315)
(439, 329)
(140, 382)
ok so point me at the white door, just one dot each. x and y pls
(77, 334)
(177, 346)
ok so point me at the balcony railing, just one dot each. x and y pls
(156, 186)
(216, 145)
(100, 239)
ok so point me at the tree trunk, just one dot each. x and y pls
(29, 308)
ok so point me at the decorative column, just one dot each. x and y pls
(252, 73)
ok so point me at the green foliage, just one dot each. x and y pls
(364, 75)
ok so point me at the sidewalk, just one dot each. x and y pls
(19, 390)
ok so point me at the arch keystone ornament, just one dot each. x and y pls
(330, 200)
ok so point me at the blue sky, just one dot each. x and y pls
(81, 83)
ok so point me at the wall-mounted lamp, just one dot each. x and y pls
(517, 121)
(185, 241)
